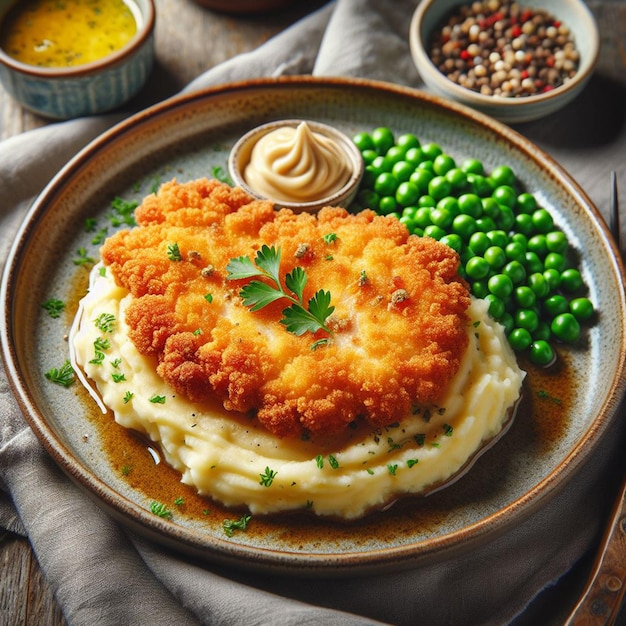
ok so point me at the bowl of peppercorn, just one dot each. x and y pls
(514, 61)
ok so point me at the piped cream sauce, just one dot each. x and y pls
(296, 164)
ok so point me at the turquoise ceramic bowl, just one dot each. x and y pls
(89, 89)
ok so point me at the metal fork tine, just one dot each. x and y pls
(614, 224)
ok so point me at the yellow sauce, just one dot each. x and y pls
(55, 33)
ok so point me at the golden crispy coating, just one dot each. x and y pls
(399, 325)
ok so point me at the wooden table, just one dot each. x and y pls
(189, 40)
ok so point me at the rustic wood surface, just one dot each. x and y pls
(189, 40)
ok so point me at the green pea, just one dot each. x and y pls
(538, 283)
(506, 219)
(464, 226)
(524, 224)
(383, 139)
(543, 221)
(421, 178)
(557, 241)
(387, 205)
(525, 296)
(555, 261)
(553, 278)
(441, 217)
(490, 208)
(439, 187)
(565, 327)
(394, 155)
(477, 268)
(407, 193)
(498, 238)
(457, 179)
(500, 285)
(408, 141)
(479, 242)
(450, 203)
(515, 251)
(515, 271)
(479, 289)
(470, 204)
(473, 166)
(542, 353)
(386, 184)
(556, 305)
(414, 156)
(426, 201)
(402, 170)
(480, 185)
(503, 175)
(427, 164)
(485, 224)
(526, 203)
(422, 217)
(496, 306)
(364, 141)
(581, 308)
(369, 156)
(431, 150)
(453, 241)
(521, 239)
(533, 263)
(495, 256)
(434, 231)
(526, 318)
(571, 280)
(442, 163)
(505, 195)
(538, 245)
(520, 339)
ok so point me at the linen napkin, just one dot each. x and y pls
(102, 573)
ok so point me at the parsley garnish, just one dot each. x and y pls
(118, 377)
(179, 501)
(90, 224)
(128, 396)
(54, 307)
(411, 462)
(123, 212)
(329, 237)
(160, 509)
(221, 175)
(319, 461)
(333, 462)
(105, 322)
(267, 478)
(392, 468)
(209, 297)
(173, 252)
(82, 258)
(157, 399)
(447, 430)
(230, 526)
(296, 318)
(63, 376)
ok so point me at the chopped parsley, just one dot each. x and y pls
(123, 212)
(329, 238)
(105, 322)
(156, 399)
(411, 462)
(82, 258)
(209, 297)
(63, 376)
(392, 467)
(128, 396)
(160, 509)
(267, 478)
(230, 526)
(54, 307)
(118, 377)
(173, 252)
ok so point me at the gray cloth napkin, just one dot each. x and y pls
(102, 573)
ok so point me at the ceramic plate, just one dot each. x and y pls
(559, 423)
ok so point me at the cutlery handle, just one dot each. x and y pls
(602, 598)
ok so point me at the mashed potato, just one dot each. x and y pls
(234, 460)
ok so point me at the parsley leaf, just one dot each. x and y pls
(54, 307)
(257, 294)
(230, 526)
(63, 376)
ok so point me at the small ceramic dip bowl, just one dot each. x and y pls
(68, 60)
(514, 82)
(297, 164)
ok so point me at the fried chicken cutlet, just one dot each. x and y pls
(399, 327)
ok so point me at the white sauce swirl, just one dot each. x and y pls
(296, 165)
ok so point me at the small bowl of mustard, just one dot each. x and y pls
(76, 58)
(301, 165)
